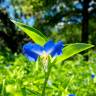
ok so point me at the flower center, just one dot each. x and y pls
(44, 58)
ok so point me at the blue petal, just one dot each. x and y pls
(57, 49)
(49, 46)
(59, 52)
(32, 51)
(30, 55)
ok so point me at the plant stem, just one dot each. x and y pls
(45, 81)
(3, 87)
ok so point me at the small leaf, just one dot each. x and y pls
(71, 50)
(33, 33)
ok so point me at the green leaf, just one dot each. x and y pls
(71, 50)
(33, 33)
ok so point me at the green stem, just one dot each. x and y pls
(3, 87)
(45, 81)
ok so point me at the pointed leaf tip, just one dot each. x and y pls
(33, 33)
(72, 49)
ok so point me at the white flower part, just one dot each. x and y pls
(44, 58)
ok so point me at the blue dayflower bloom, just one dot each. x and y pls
(92, 76)
(71, 95)
(32, 51)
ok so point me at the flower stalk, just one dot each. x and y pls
(47, 74)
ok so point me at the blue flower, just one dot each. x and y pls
(32, 51)
(71, 95)
(92, 76)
